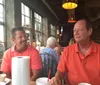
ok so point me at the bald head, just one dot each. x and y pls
(86, 23)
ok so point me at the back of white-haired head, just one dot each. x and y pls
(51, 42)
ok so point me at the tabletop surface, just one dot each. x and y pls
(31, 83)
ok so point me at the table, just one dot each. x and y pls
(31, 83)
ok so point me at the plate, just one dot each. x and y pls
(7, 80)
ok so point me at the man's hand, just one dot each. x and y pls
(36, 74)
(55, 81)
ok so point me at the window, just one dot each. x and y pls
(26, 20)
(38, 18)
(52, 30)
(1, 10)
(38, 27)
(2, 38)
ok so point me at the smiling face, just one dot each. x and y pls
(20, 39)
(80, 31)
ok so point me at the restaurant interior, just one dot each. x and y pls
(44, 18)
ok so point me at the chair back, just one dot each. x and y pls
(48, 62)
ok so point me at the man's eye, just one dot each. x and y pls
(80, 30)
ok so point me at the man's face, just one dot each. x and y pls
(54, 45)
(80, 31)
(20, 39)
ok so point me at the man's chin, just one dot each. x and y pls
(77, 40)
(23, 45)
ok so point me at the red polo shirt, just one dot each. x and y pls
(35, 59)
(81, 68)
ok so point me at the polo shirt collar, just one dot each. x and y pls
(92, 47)
(13, 48)
(76, 47)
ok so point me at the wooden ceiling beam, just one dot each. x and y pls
(92, 3)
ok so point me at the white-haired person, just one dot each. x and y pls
(51, 44)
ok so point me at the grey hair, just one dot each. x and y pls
(13, 30)
(51, 41)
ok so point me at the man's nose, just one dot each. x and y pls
(76, 32)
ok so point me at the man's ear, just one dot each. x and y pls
(12, 38)
(90, 31)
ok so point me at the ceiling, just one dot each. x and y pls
(86, 8)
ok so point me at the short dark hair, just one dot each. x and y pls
(16, 29)
(88, 23)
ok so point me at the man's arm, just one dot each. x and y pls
(36, 64)
(5, 65)
(57, 79)
(36, 74)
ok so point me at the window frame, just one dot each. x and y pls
(2, 23)
(38, 31)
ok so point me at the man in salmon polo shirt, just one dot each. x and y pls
(81, 61)
(21, 48)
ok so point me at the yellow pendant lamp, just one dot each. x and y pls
(69, 4)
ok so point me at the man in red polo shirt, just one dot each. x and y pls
(81, 61)
(21, 48)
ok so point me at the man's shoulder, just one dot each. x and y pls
(32, 49)
(45, 49)
(96, 44)
(48, 50)
(7, 53)
(8, 50)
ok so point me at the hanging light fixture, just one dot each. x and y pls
(71, 16)
(69, 4)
